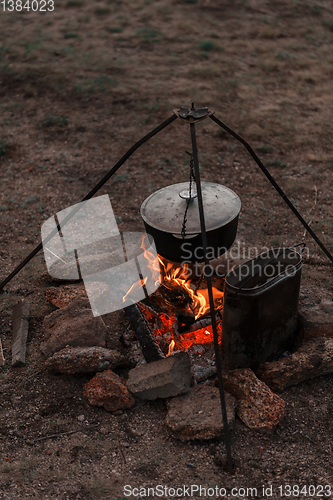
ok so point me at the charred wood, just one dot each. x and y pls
(150, 347)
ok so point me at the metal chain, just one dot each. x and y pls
(192, 178)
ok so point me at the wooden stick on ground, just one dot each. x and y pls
(20, 332)
(50, 436)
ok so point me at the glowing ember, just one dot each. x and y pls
(171, 337)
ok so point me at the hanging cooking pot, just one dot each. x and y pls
(171, 217)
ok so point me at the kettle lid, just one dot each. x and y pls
(164, 210)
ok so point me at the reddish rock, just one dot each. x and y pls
(62, 296)
(74, 326)
(198, 415)
(85, 360)
(311, 360)
(106, 389)
(258, 407)
(161, 379)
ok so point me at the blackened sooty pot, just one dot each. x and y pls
(180, 240)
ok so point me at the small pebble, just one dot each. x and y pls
(104, 431)
(80, 418)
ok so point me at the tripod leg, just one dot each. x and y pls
(211, 299)
(89, 195)
(275, 185)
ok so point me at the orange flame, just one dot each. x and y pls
(175, 275)
(171, 346)
(153, 262)
(137, 284)
(152, 266)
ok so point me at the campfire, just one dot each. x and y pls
(178, 312)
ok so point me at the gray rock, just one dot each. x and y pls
(316, 320)
(201, 373)
(161, 379)
(311, 360)
(74, 326)
(197, 414)
(327, 306)
(85, 360)
(258, 407)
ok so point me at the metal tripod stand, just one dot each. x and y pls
(190, 116)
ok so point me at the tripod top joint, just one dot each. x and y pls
(192, 115)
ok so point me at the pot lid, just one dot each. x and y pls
(164, 210)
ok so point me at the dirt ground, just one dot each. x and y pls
(78, 86)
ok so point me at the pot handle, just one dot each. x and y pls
(186, 237)
(302, 244)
